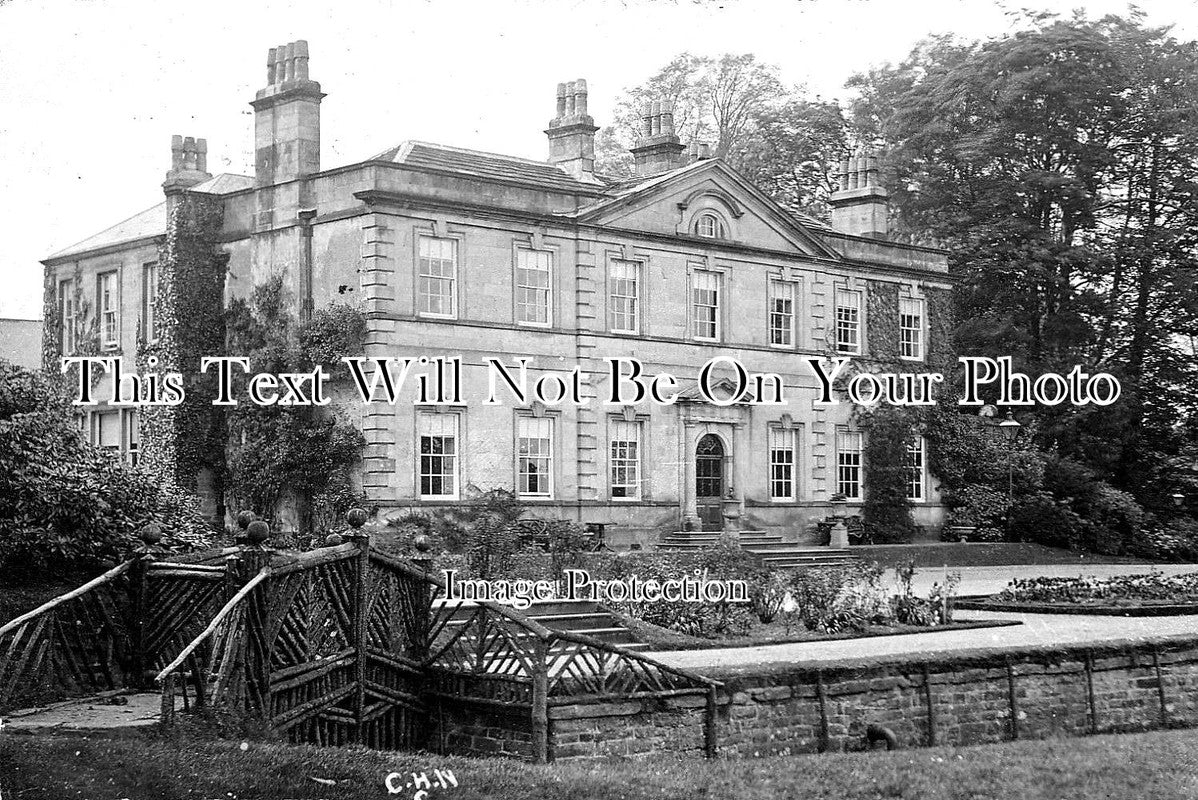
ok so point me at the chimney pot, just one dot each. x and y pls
(859, 206)
(572, 131)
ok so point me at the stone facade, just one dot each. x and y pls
(457, 253)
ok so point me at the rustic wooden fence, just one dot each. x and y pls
(340, 644)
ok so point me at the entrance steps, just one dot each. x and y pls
(573, 616)
(773, 551)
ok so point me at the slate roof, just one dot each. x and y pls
(152, 221)
(485, 165)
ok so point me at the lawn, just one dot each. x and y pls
(1162, 765)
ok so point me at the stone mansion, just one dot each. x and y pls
(464, 254)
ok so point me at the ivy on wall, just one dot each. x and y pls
(942, 354)
(179, 441)
(882, 320)
(298, 453)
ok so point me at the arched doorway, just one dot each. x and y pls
(709, 482)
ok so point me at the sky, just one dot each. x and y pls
(92, 90)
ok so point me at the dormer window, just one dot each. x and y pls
(710, 226)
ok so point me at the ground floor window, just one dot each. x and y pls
(783, 460)
(626, 459)
(916, 464)
(116, 431)
(438, 434)
(534, 456)
(848, 464)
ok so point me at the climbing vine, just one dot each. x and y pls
(180, 441)
(301, 454)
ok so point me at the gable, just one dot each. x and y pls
(713, 196)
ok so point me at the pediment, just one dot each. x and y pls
(673, 204)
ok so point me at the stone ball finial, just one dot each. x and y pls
(151, 534)
(244, 519)
(257, 532)
(356, 517)
(422, 544)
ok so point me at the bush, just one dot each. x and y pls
(1176, 540)
(63, 501)
(1041, 518)
(981, 507)
(886, 510)
(834, 599)
(1114, 519)
(723, 562)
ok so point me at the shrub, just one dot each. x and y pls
(63, 501)
(724, 562)
(1175, 540)
(886, 509)
(833, 599)
(1041, 518)
(982, 507)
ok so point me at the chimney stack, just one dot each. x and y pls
(697, 151)
(572, 132)
(859, 205)
(658, 148)
(189, 164)
(287, 118)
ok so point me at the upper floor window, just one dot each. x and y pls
(783, 443)
(782, 313)
(66, 312)
(705, 294)
(848, 464)
(532, 286)
(917, 467)
(624, 296)
(709, 225)
(911, 329)
(149, 309)
(438, 278)
(626, 459)
(848, 322)
(108, 302)
(438, 440)
(534, 456)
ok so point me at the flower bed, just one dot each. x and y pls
(1144, 594)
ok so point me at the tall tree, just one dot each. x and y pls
(784, 141)
(1056, 165)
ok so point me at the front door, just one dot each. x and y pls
(709, 482)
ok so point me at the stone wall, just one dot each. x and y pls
(965, 698)
(632, 728)
(971, 697)
(478, 728)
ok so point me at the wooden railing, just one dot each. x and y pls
(339, 644)
(76, 643)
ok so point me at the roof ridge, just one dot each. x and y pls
(453, 148)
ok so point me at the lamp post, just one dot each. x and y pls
(1009, 428)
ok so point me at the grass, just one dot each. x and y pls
(1160, 765)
